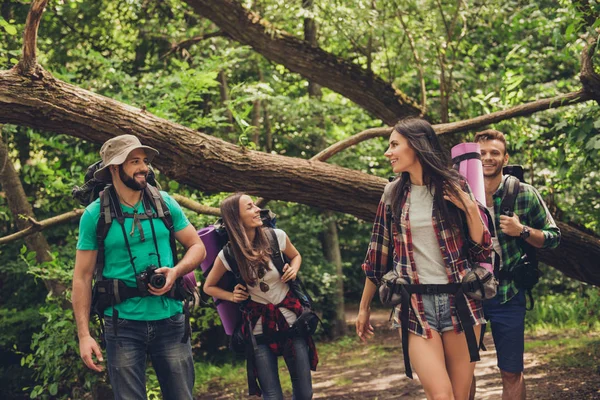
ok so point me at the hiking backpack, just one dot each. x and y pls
(526, 273)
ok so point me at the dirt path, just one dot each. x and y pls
(376, 372)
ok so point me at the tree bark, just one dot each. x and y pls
(224, 92)
(363, 87)
(310, 35)
(331, 248)
(20, 208)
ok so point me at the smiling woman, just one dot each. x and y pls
(419, 238)
(269, 307)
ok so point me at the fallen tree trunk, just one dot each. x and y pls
(188, 156)
(213, 165)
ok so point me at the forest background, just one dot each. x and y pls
(288, 78)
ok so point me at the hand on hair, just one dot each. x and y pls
(462, 199)
(240, 293)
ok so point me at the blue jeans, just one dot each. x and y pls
(298, 366)
(508, 330)
(161, 340)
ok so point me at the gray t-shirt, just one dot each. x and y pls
(277, 288)
(426, 249)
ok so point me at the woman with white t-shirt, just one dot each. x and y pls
(271, 308)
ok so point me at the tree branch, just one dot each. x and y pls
(195, 206)
(518, 111)
(28, 63)
(37, 226)
(41, 225)
(187, 43)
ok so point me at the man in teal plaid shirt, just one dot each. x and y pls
(531, 222)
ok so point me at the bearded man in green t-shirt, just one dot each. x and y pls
(152, 323)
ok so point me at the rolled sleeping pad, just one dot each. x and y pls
(229, 312)
(466, 158)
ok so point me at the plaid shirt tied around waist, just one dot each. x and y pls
(275, 325)
(452, 246)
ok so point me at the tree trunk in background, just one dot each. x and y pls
(224, 91)
(330, 243)
(144, 42)
(256, 113)
(19, 206)
(363, 87)
(310, 35)
(331, 249)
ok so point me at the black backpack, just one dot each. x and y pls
(526, 274)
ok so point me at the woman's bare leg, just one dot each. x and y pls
(458, 363)
(428, 362)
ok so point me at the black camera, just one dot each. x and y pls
(150, 277)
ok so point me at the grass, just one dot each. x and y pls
(232, 376)
(569, 352)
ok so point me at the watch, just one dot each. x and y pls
(525, 233)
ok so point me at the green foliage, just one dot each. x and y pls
(575, 309)
(58, 370)
(497, 54)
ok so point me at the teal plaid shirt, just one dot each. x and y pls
(532, 212)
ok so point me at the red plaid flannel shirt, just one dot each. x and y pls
(451, 242)
(274, 321)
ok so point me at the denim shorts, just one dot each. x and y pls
(437, 312)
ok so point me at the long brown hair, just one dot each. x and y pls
(437, 173)
(249, 256)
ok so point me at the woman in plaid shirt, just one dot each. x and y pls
(429, 202)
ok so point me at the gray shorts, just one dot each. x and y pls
(437, 312)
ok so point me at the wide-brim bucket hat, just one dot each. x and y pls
(115, 151)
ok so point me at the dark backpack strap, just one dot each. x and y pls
(233, 265)
(163, 212)
(102, 228)
(276, 255)
(509, 197)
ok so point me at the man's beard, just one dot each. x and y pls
(494, 174)
(130, 181)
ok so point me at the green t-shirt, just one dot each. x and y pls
(117, 262)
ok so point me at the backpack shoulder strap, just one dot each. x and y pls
(102, 228)
(509, 197)
(163, 212)
(233, 265)
(276, 255)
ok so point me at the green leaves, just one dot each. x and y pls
(8, 27)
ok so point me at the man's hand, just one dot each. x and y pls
(289, 273)
(511, 226)
(364, 329)
(171, 275)
(89, 348)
